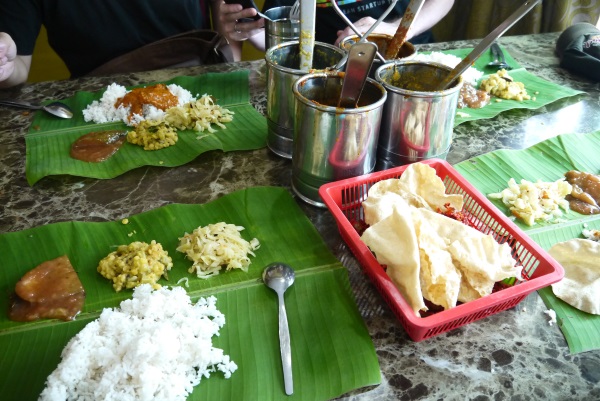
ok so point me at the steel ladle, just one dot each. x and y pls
(399, 38)
(279, 277)
(360, 59)
(361, 37)
(56, 108)
(484, 45)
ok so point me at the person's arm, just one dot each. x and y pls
(236, 32)
(14, 69)
(431, 13)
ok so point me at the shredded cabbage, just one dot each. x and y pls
(199, 115)
(217, 245)
(532, 201)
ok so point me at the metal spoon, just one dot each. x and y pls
(399, 38)
(279, 277)
(56, 108)
(360, 59)
(263, 15)
(361, 38)
(307, 33)
(295, 11)
(499, 60)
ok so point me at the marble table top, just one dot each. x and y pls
(512, 355)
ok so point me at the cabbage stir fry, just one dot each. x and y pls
(198, 115)
(215, 246)
(535, 201)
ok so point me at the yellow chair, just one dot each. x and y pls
(45, 63)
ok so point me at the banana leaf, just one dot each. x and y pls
(544, 92)
(332, 352)
(547, 161)
(49, 138)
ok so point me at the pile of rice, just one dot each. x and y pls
(471, 75)
(156, 346)
(104, 111)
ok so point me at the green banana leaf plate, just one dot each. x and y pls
(542, 92)
(332, 352)
(49, 139)
(547, 161)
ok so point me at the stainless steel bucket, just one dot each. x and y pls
(417, 123)
(283, 63)
(280, 28)
(332, 143)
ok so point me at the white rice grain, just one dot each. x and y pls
(156, 346)
(471, 75)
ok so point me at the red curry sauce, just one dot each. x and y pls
(97, 146)
(157, 95)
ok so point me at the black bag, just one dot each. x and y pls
(199, 47)
(579, 50)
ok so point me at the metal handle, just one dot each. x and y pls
(402, 32)
(286, 349)
(360, 60)
(496, 52)
(19, 103)
(361, 37)
(486, 43)
(307, 33)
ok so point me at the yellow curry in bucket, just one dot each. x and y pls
(417, 123)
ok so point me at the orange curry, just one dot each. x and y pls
(157, 95)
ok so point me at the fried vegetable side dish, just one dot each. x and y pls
(51, 290)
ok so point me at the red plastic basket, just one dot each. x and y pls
(344, 199)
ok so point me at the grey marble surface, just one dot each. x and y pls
(513, 355)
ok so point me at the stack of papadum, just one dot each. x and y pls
(580, 287)
(427, 254)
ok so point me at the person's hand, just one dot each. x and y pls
(363, 25)
(8, 52)
(233, 28)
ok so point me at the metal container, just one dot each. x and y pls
(417, 122)
(280, 28)
(382, 40)
(283, 63)
(332, 143)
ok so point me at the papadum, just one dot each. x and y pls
(429, 254)
(394, 242)
(580, 286)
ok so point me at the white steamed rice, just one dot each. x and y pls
(471, 75)
(156, 346)
(104, 111)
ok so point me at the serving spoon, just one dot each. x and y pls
(361, 37)
(401, 34)
(56, 108)
(279, 277)
(360, 60)
(483, 46)
(499, 60)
